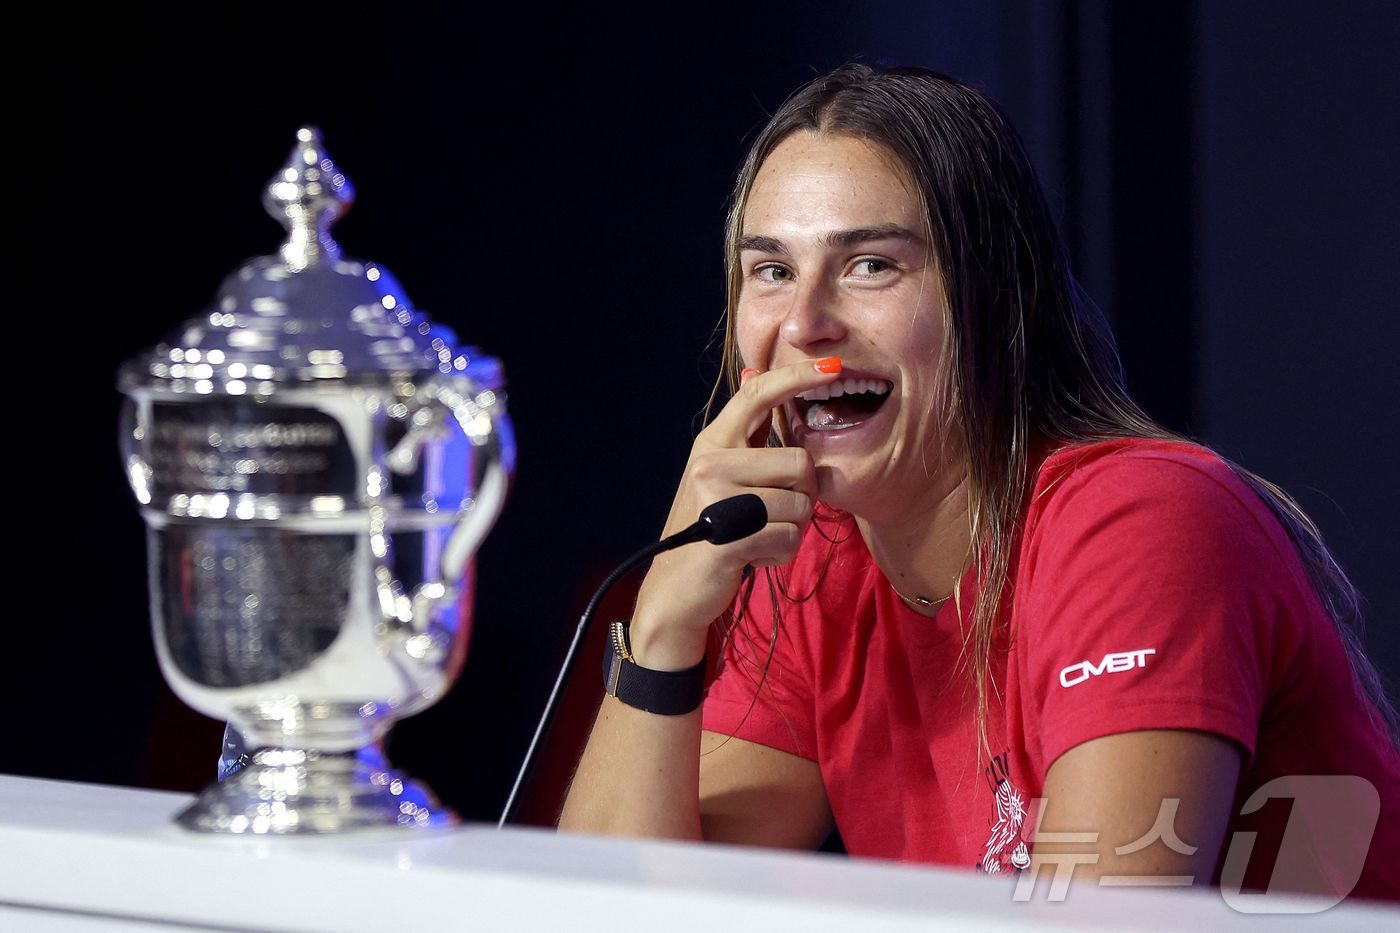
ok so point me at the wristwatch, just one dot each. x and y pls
(670, 693)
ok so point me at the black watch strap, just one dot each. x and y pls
(670, 693)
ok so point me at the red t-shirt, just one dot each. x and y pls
(1152, 590)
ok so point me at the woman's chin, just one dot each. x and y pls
(838, 489)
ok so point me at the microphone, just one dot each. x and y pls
(727, 520)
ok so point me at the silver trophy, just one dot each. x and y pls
(316, 464)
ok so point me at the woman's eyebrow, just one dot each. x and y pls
(763, 244)
(843, 239)
(837, 239)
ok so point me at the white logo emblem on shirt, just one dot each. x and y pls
(1006, 833)
(1114, 663)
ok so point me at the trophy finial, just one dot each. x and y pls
(307, 196)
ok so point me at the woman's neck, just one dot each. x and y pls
(924, 553)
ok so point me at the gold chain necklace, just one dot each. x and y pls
(924, 602)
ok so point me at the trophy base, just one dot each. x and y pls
(292, 791)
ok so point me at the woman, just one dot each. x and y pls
(989, 577)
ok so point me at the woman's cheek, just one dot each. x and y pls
(754, 338)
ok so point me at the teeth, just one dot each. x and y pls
(847, 387)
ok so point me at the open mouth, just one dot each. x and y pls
(843, 403)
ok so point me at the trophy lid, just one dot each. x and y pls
(306, 314)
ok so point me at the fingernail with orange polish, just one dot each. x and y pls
(746, 375)
(831, 364)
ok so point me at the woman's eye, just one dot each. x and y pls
(869, 268)
(772, 273)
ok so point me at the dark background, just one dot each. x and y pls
(553, 187)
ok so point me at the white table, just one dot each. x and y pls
(88, 857)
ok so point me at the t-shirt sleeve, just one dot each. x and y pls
(762, 691)
(1151, 602)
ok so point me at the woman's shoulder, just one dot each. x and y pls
(1126, 458)
(1151, 472)
(1144, 495)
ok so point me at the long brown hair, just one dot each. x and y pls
(1027, 355)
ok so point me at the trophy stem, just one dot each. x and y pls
(287, 722)
(284, 791)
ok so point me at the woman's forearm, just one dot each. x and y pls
(640, 772)
(640, 776)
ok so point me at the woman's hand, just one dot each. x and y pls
(688, 588)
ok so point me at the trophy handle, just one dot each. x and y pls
(484, 422)
(476, 522)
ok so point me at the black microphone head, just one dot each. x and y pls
(733, 518)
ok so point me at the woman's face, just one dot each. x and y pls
(834, 262)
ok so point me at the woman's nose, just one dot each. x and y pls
(812, 320)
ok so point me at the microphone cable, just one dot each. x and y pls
(725, 521)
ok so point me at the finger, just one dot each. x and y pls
(786, 506)
(779, 505)
(760, 437)
(751, 407)
(775, 544)
(737, 470)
